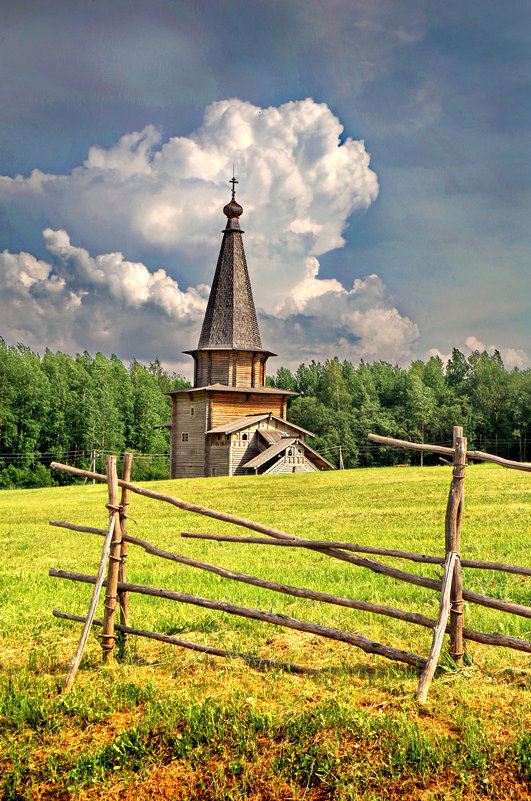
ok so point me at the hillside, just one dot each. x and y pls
(167, 723)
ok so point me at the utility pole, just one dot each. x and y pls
(93, 455)
(341, 465)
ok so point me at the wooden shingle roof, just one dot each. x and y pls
(230, 318)
(237, 425)
(270, 452)
(271, 433)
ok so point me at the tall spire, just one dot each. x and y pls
(230, 318)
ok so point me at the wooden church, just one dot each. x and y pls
(229, 422)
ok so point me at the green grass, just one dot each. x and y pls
(168, 723)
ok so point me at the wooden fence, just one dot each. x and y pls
(452, 594)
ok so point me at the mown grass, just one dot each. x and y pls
(170, 724)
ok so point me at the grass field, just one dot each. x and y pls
(164, 723)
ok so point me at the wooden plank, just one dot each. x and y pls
(358, 640)
(229, 406)
(438, 631)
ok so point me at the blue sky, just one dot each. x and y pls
(382, 149)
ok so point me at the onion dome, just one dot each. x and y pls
(232, 209)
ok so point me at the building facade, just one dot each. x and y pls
(229, 422)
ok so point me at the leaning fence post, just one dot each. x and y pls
(108, 636)
(439, 629)
(453, 521)
(123, 596)
(76, 660)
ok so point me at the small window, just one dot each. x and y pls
(184, 436)
(192, 411)
(244, 436)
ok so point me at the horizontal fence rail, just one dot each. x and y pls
(367, 645)
(479, 455)
(255, 661)
(495, 638)
(452, 593)
(351, 546)
(370, 564)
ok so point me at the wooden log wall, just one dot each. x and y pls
(189, 456)
(241, 451)
(231, 367)
(228, 406)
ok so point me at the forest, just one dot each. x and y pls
(342, 403)
(66, 409)
(70, 409)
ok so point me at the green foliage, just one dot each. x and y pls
(341, 404)
(522, 755)
(63, 408)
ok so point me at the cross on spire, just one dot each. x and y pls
(233, 181)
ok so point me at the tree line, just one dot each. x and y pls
(64, 408)
(341, 404)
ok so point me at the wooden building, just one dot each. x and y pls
(229, 422)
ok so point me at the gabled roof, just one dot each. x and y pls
(230, 318)
(271, 435)
(317, 456)
(237, 425)
(244, 422)
(278, 447)
(270, 452)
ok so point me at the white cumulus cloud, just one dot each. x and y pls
(144, 202)
(353, 324)
(299, 183)
(104, 302)
(511, 357)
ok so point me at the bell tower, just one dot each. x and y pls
(230, 348)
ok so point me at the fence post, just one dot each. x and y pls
(108, 636)
(453, 521)
(123, 596)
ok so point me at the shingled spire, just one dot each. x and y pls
(230, 319)
(230, 350)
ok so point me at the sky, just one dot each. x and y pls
(381, 149)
